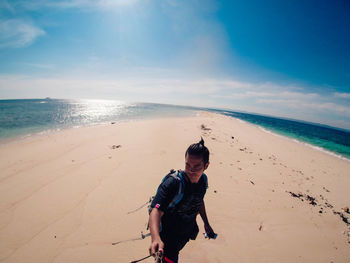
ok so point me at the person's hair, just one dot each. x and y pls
(199, 150)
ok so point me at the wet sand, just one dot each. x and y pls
(67, 196)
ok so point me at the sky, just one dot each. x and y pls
(281, 58)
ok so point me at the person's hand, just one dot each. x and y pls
(210, 232)
(156, 246)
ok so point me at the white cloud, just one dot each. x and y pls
(15, 33)
(216, 93)
(219, 90)
(297, 95)
(328, 107)
(285, 102)
(342, 95)
(244, 90)
(83, 4)
(79, 87)
(247, 94)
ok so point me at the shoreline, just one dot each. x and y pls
(46, 132)
(275, 133)
(19, 138)
(315, 147)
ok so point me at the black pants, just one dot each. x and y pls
(173, 245)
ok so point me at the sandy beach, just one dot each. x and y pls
(67, 196)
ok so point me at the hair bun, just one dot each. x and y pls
(198, 149)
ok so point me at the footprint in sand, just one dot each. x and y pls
(116, 146)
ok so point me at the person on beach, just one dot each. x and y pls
(172, 226)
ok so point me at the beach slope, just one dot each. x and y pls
(67, 196)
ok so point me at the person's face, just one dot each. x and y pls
(194, 167)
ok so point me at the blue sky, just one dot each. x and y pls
(282, 58)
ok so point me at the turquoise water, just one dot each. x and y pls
(24, 117)
(328, 138)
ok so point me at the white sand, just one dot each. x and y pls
(65, 196)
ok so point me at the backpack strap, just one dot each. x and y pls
(205, 181)
(178, 196)
(180, 193)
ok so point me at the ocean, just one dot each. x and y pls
(20, 118)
